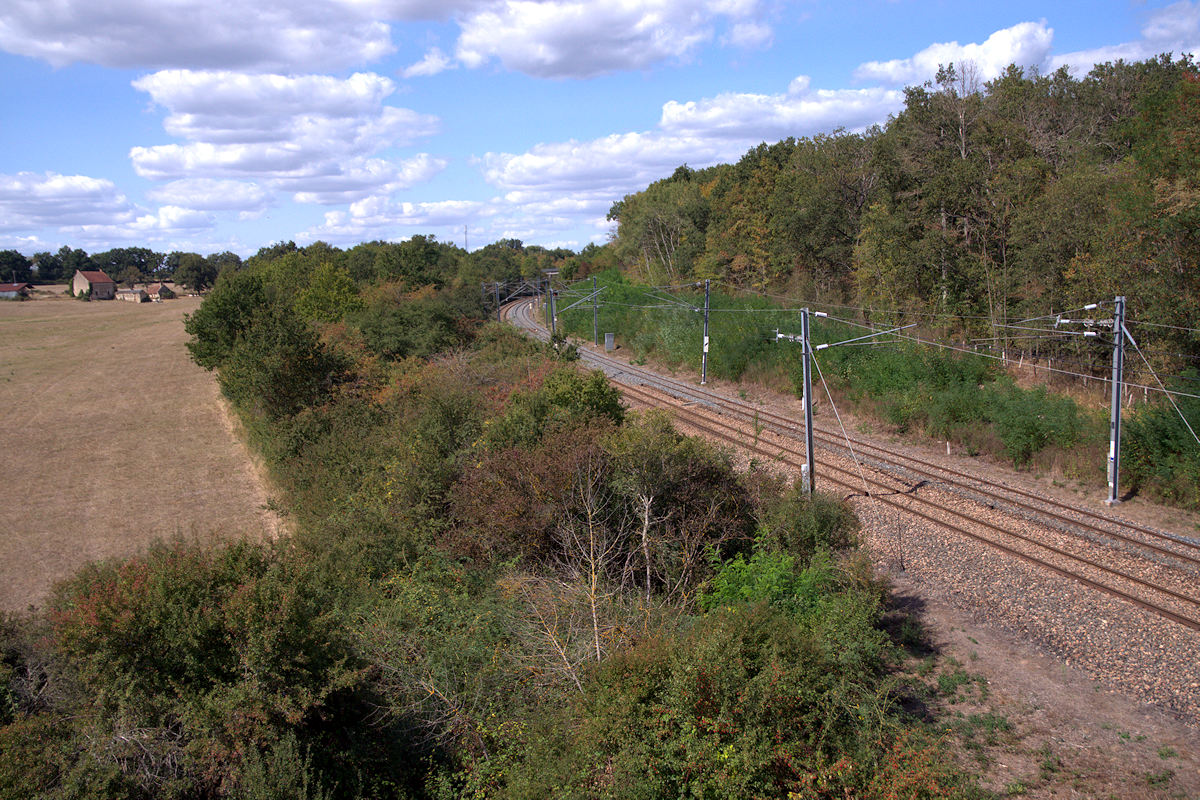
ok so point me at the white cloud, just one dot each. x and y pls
(615, 164)
(380, 217)
(227, 107)
(148, 228)
(210, 194)
(223, 106)
(435, 61)
(314, 135)
(700, 133)
(750, 35)
(1026, 44)
(585, 38)
(265, 35)
(27, 245)
(800, 112)
(31, 200)
(361, 177)
(1174, 29)
(548, 38)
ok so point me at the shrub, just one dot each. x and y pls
(772, 578)
(800, 524)
(229, 311)
(190, 656)
(278, 366)
(748, 702)
(1159, 455)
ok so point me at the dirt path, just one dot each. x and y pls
(112, 438)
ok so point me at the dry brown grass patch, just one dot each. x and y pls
(113, 438)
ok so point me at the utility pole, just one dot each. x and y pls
(806, 347)
(496, 286)
(808, 353)
(1114, 440)
(595, 315)
(550, 294)
(704, 354)
(1118, 377)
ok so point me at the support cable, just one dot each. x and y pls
(842, 425)
(1161, 325)
(1160, 383)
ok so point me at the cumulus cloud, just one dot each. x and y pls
(615, 164)
(1026, 44)
(750, 35)
(266, 35)
(700, 133)
(1174, 29)
(547, 38)
(768, 117)
(360, 177)
(85, 210)
(435, 61)
(585, 38)
(314, 135)
(147, 228)
(31, 200)
(211, 194)
(381, 217)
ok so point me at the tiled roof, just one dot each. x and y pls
(95, 276)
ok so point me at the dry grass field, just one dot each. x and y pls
(111, 438)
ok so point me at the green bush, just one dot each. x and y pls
(800, 524)
(1028, 420)
(769, 578)
(189, 656)
(566, 398)
(278, 366)
(420, 326)
(1159, 455)
(748, 702)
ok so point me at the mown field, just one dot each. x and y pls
(112, 437)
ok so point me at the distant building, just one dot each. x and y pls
(102, 286)
(13, 291)
(160, 291)
(134, 295)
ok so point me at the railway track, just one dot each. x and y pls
(1151, 569)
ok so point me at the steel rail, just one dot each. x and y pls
(670, 388)
(793, 458)
(994, 491)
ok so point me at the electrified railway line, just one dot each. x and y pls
(1154, 570)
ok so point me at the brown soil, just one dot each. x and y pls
(112, 438)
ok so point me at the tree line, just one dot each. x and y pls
(421, 258)
(978, 205)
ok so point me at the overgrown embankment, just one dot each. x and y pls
(933, 389)
(499, 584)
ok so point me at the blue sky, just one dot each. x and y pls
(211, 125)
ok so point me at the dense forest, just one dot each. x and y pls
(977, 205)
(499, 582)
(981, 213)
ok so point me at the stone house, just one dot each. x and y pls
(102, 286)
